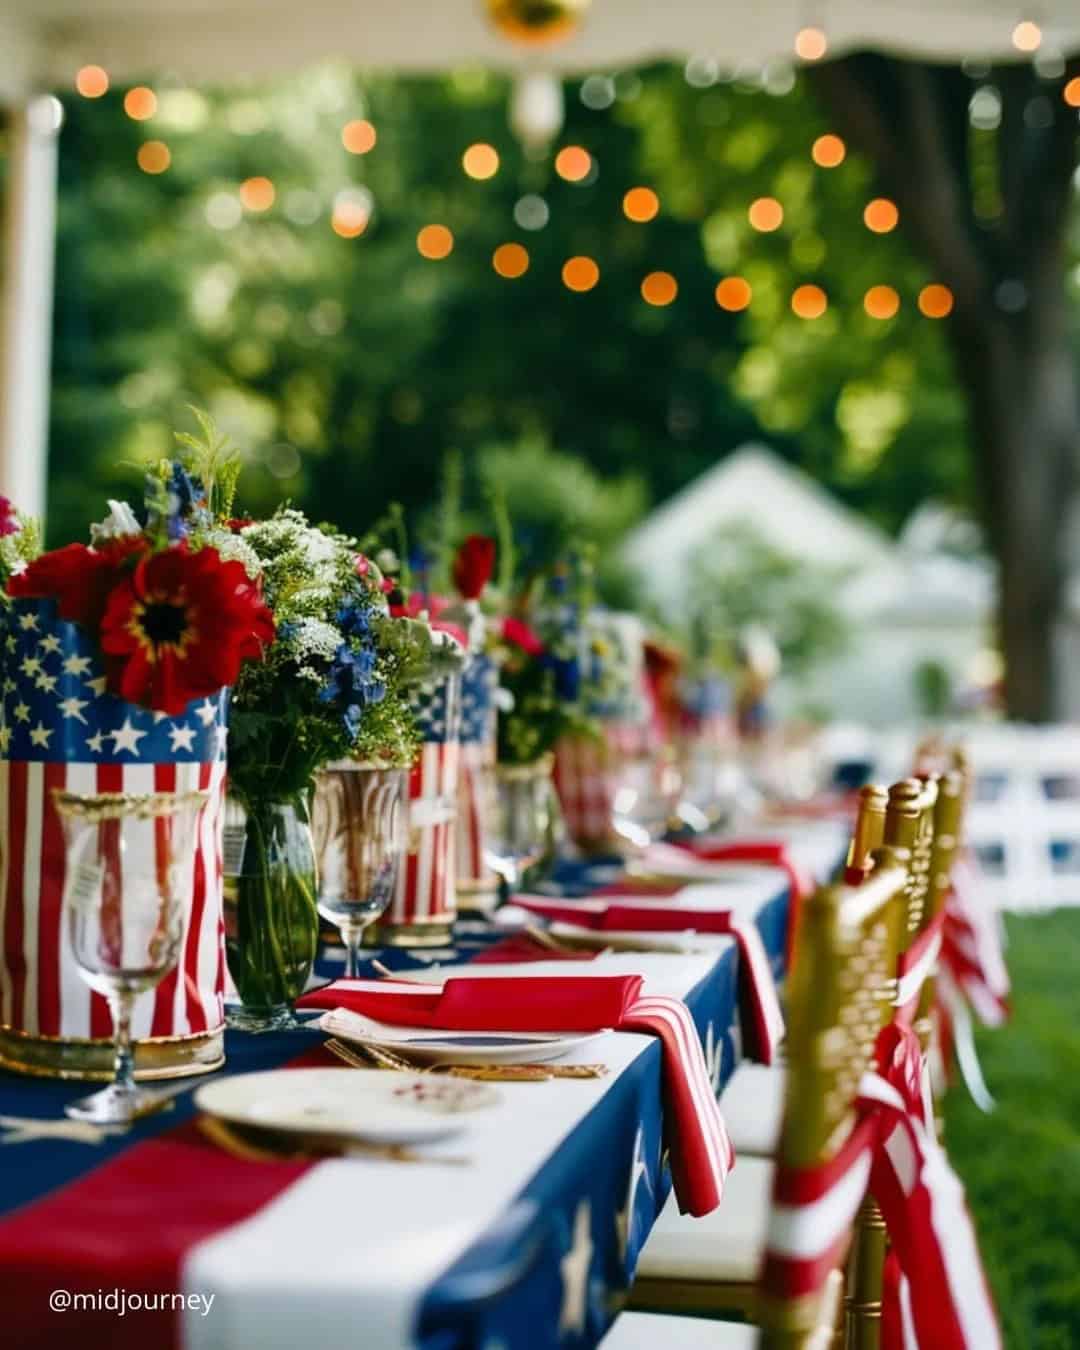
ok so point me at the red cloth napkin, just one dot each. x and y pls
(772, 852)
(521, 948)
(701, 1152)
(757, 986)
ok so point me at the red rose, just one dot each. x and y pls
(521, 635)
(78, 578)
(238, 524)
(180, 626)
(474, 565)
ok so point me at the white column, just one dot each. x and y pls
(27, 303)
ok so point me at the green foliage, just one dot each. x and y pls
(740, 580)
(350, 365)
(1021, 1165)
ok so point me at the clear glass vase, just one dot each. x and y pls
(521, 822)
(271, 919)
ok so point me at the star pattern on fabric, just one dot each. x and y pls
(73, 707)
(96, 686)
(28, 622)
(714, 1056)
(624, 1218)
(28, 1130)
(39, 735)
(95, 743)
(182, 738)
(49, 643)
(127, 738)
(46, 682)
(76, 665)
(30, 667)
(574, 1270)
(206, 712)
(5, 739)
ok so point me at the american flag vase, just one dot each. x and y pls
(424, 906)
(586, 775)
(60, 729)
(477, 885)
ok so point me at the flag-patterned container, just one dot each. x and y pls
(424, 907)
(477, 884)
(587, 777)
(60, 729)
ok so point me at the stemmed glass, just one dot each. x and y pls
(520, 822)
(127, 891)
(646, 796)
(358, 821)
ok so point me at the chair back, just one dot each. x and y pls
(869, 832)
(841, 995)
(909, 824)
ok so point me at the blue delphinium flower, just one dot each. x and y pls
(351, 680)
(354, 620)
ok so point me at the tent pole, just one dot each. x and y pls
(29, 246)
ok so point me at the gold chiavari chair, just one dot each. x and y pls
(842, 991)
(711, 1265)
(753, 1099)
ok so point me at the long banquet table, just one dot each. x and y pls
(531, 1242)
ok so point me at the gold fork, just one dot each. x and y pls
(265, 1147)
(497, 1073)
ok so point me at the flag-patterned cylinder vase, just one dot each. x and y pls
(424, 907)
(59, 728)
(587, 773)
(477, 884)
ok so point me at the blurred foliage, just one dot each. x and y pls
(740, 581)
(350, 366)
(1021, 1165)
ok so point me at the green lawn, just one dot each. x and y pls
(1021, 1165)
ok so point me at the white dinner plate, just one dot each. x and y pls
(455, 1047)
(385, 1108)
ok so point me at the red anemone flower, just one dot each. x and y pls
(474, 565)
(521, 635)
(78, 578)
(9, 521)
(180, 626)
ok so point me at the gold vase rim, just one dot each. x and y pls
(98, 806)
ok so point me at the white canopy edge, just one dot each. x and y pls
(46, 41)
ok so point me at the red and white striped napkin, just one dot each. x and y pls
(701, 1151)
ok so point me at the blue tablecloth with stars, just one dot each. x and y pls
(554, 1269)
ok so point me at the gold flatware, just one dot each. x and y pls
(488, 1073)
(270, 1146)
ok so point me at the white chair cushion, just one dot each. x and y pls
(649, 1331)
(753, 1108)
(724, 1247)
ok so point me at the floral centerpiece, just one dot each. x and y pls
(117, 657)
(337, 686)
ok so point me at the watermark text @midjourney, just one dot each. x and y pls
(121, 1302)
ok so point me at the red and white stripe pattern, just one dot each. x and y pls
(41, 990)
(944, 1303)
(587, 776)
(917, 965)
(426, 891)
(475, 770)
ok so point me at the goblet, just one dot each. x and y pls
(520, 821)
(358, 821)
(127, 891)
(646, 796)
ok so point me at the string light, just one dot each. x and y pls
(573, 163)
(1071, 92)
(809, 302)
(580, 273)
(154, 157)
(733, 294)
(92, 81)
(659, 288)
(881, 302)
(359, 136)
(828, 151)
(480, 161)
(510, 260)
(881, 215)
(1027, 36)
(935, 301)
(766, 214)
(140, 103)
(257, 194)
(811, 44)
(352, 212)
(434, 242)
(640, 204)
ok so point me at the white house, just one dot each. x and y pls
(908, 601)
